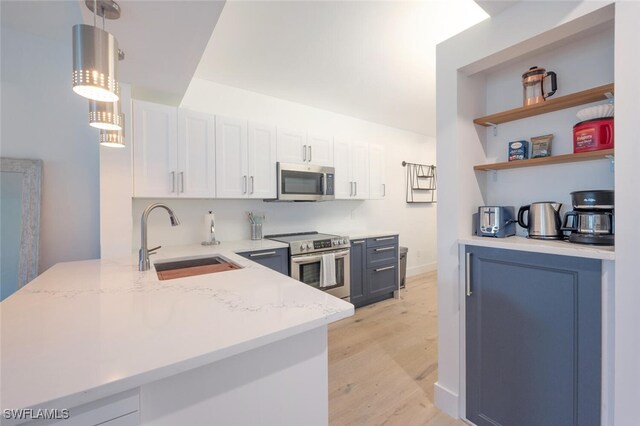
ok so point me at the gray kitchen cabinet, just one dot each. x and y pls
(374, 269)
(276, 259)
(533, 338)
(358, 271)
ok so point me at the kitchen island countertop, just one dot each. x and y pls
(88, 329)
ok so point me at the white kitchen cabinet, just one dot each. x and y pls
(261, 155)
(292, 146)
(196, 155)
(155, 150)
(231, 158)
(245, 159)
(173, 152)
(320, 150)
(351, 161)
(377, 183)
(298, 147)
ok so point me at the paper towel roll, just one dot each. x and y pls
(209, 223)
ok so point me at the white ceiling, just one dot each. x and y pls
(163, 40)
(373, 60)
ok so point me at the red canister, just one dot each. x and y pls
(593, 135)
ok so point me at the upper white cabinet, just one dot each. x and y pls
(173, 152)
(196, 155)
(231, 158)
(377, 183)
(351, 161)
(292, 146)
(320, 150)
(246, 159)
(296, 147)
(155, 150)
(262, 161)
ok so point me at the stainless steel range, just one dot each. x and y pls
(308, 250)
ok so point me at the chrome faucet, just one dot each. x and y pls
(143, 254)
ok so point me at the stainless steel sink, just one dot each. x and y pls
(188, 267)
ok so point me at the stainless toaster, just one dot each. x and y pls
(495, 221)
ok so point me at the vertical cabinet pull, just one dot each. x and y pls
(173, 181)
(252, 184)
(304, 153)
(244, 184)
(350, 189)
(467, 271)
(384, 190)
(182, 182)
(355, 184)
(309, 153)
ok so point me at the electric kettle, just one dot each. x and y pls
(533, 85)
(543, 220)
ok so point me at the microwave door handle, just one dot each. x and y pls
(324, 184)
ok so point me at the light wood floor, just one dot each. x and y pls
(383, 361)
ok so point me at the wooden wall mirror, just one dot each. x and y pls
(20, 182)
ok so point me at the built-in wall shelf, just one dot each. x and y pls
(554, 159)
(552, 104)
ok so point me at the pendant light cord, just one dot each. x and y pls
(95, 8)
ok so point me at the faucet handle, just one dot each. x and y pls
(153, 250)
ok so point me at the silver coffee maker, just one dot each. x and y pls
(495, 221)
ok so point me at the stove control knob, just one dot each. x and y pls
(335, 242)
(342, 241)
(303, 246)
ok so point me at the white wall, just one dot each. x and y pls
(627, 281)
(414, 223)
(521, 29)
(42, 118)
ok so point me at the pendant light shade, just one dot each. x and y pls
(105, 115)
(112, 138)
(95, 64)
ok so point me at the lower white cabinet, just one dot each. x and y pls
(245, 159)
(351, 161)
(377, 182)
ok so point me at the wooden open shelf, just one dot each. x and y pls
(554, 159)
(552, 104)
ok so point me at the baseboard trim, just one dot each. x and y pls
(421, 269)
(446, 400)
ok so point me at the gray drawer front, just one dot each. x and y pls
(382, 255)
(276, 259)
(383, 279)
(386, 240)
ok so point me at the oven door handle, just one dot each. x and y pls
(315, 257)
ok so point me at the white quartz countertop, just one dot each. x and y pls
(562, 248)
(89, 329)
(356, 235)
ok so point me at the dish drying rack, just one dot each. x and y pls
(421, 183)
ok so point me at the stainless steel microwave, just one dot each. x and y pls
(305, 182)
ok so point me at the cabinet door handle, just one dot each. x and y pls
(385, 269)
(182, 182)
(384, 190)
(244, 184)
(304, 153)
(384, 238)
(385, 248)
(309, 153)
(252, 184)
(266, 253)
(357, 242)
(350, 189)
(355, 184)
(467, 270)
(173, 182)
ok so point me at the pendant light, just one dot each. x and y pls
(105, 115)
(112, 138)
(95, 55)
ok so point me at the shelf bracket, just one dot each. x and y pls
(495, 128)
(612, 162)
(609, 95)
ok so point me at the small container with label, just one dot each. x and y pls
(518, 150)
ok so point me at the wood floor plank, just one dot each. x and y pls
(383, 361)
